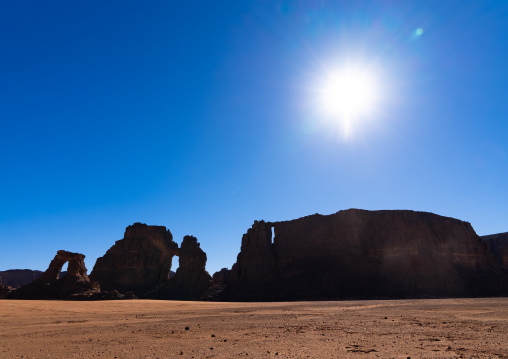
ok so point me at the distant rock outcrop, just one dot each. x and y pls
(191, 278)
(50, 286)
(363, 254)
(5, 291)
(221, 277)
(140, 262)
(19, 277)
(498, 244)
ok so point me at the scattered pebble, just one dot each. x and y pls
(186, 328)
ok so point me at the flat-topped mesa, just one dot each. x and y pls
(50, 286)
(498, 244)
(19, 277)
(191, 278)
(139, 262)
(358, 254)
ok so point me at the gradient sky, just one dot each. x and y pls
(198, 115)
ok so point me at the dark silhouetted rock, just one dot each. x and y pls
(498, 245)
(364, 254)
(5, 291)
(221, 277)
(50, 286)
(19, 277)
(139, 262)
(191, 278)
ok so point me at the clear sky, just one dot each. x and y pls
(203, 116)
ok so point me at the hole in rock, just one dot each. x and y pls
(174, 266)
(64, 270)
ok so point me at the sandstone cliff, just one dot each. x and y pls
(140, 262)
(364, 254)
(51, 286)
(191, 278)
(498, 244)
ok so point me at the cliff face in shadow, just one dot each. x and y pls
(363, 254)
(498, 244)
(191, 278)
(139, 262)
(351, 254)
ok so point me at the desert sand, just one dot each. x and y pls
(429, 328)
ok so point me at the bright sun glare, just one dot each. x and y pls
(348, 94)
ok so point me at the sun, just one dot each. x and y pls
(348, 94)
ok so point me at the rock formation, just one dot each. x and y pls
(363, 254)
(50, 286)
(19, 277)
(5, 291)
(140, 262)
(498, 245)
(221, 277)
(191, 278)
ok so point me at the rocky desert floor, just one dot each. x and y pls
(430, 328)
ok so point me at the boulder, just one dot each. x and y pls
(140, 262)
(364, 254)
(498, 245)
(50, 286)
(191, 278)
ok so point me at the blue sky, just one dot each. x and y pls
(200, 116)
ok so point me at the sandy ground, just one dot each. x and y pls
(451, 328)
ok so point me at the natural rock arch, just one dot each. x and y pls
(50, 286)
(75, 268)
